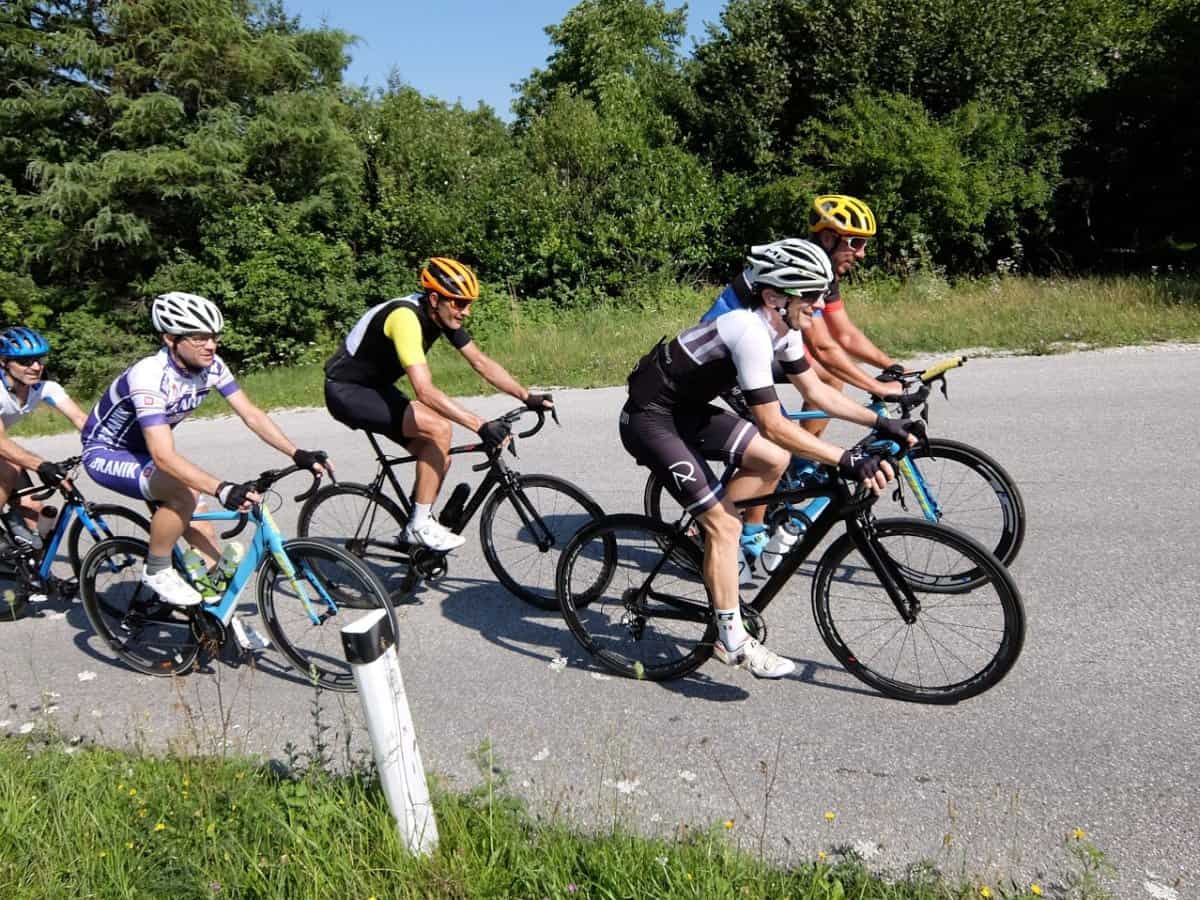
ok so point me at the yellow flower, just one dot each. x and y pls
(1035, 889)
(1079, 834)
(120, 785)
(728, 824)
(830, 815)
(239, 776)
(159, 826)
(821, 855)
(129, 845)
(133, 792)
(185, 782)
(103, 853)
(688, 875)
(985, 891)
(142, 813)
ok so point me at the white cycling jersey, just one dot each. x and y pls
(153, 391)
(13, 410)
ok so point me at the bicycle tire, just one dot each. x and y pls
(340, 588)
(612, 557)
(106, 516)
(511, 547)
(148, 635)
(364, 523)
(966, 641)
(974, 493)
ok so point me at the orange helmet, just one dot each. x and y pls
(845, 215)
(450, 278)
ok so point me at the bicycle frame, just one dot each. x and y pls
(267, 540)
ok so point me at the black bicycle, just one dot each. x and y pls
(524, 523)
(26, 571)
(631, 592)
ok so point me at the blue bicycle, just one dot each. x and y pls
(25, 571)
(951, 483)
(307, 589)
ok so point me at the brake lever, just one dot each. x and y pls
(554, 416)
(236, 529)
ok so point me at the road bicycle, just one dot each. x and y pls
(631, 592)
(524, 522)
(950, 482)
(25, 572)
(307, 591)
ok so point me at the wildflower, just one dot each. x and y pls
(728, 824)
(1079, 834)
(129, 845)
(688, 875)
(661, 860)
(1035, 889)
(142, 813)
(160, 826)
(830, 815)
(572, 888)
(985, 891)
(186, 781)
(103, 853)
(821, 855)
(133, 792)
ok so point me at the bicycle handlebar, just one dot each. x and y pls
(266, 480)
(939, 369)
(509, 418)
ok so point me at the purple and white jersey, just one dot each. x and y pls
(153, 391)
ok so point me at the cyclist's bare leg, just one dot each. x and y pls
(722, 526)
(817, 426)
(426, 435)
(763, 464)
(10, 473)
(173, 519)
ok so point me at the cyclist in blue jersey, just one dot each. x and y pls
(669, 424)
(129, 447)
(23, 386)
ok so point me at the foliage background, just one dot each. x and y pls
(211, 146)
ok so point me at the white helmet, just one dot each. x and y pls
(180, 313)
(791, 264)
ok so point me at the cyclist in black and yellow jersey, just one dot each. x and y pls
(389, 342)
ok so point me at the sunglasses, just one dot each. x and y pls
(29, 362)
(201, 338)
(810, 296)
(855, 243)
(462, 304)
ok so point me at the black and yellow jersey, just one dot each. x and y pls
(387, 339)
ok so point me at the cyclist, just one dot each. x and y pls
(390, 341)
(669, 424)
(129, 446)
(842, 225)
(22, 387)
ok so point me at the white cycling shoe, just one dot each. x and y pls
(247, 636)
(434, 535)
(755, 659)
(171, 588)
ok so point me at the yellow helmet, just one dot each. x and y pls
(845, 215)
(450, 278)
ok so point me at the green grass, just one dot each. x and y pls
(100, 823)
(923, 315)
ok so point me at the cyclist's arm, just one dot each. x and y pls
(71, 410)
(852, 340)
(829, 353)
(15, 453)
(819, 394)
(492, 372)
(261, 424)
(428, 393)
(160, 441)
(778, 429)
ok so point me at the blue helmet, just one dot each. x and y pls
(19, 342)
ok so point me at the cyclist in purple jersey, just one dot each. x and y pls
(128, 445)
(22, 387)
(669, 424)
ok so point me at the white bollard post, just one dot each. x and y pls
(370, 649)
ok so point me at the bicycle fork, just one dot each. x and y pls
(905, 601)
(916, 483)
(275, 543)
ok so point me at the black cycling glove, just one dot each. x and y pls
(52, 474)
(231, 495)
(894, 372)
(493, 434)
(538, 401)
(308, 459)
(858, 465)
(898, 430)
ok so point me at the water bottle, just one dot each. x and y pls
(194, 566)
(782, 541)
(231, 558)
(454, 506)
(47, 519)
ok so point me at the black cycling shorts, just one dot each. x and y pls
(377, 409)
(675, 444)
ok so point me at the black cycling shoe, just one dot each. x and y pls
(24, 537)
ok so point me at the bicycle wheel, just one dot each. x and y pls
(524, 531)
(305, 615)
(148, 635)
(632, 604)
(974, 494)
(112, 521)
(365, 523)
(957, 645)
(659, 505)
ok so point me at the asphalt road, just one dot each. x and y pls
(1095, 729)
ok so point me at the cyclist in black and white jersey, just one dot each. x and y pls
(670, 425)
